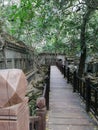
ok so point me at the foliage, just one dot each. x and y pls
(51, 25)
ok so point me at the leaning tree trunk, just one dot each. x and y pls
(83, 43)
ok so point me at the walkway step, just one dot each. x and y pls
(67, 111)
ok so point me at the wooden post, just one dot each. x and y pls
(74, 82)
(64, 71)
(47, 92)
(42, 114)
(35, 121)
(68, 75)
(49, 78)
(88, 94)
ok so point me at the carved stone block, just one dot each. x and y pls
(12, 87)
(14, 112)
(15, 117)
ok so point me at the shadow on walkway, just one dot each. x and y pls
(67, 111)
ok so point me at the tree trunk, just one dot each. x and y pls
(83, 43)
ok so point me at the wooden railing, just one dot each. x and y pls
(38, 122)
(47, 88)
(84, 87)
(61, 67)
(87, 91)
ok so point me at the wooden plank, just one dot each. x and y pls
(67, 111)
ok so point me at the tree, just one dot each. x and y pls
(83, 42)
(54, 25)
(91, 7)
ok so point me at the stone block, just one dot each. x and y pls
(14, 111)
(12, 87)
(15, 117)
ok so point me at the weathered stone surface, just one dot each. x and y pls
(40, 102)
(17, 117)
(12, 87)
(14, 112)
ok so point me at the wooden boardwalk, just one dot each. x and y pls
(67, 111)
